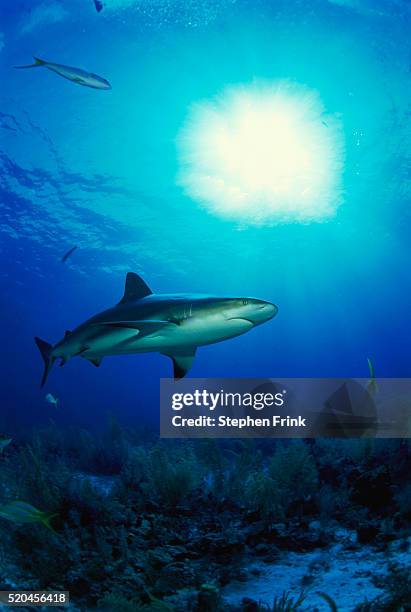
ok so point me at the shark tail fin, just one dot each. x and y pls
(45, 350)
(37, 63)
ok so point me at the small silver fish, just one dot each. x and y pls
(22, 512)
(77, 75)
(52, 400)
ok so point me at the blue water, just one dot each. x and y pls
(99, 170)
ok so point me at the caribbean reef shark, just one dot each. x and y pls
(173, 325)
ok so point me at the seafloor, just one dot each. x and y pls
(148, 526)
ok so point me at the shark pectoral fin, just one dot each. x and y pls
(182, 362)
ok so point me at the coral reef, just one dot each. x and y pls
(153, 526)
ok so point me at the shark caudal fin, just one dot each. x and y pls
(45, 350)
(37, 63)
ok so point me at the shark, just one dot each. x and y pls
(174, 325)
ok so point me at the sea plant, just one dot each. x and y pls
(261, 494)
(329, 600)
(283, 603)
(294, 472)
(174, 473)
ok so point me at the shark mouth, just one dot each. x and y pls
(241, 319)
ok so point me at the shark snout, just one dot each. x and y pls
(263, 311)
(253, 310)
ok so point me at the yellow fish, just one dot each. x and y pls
(22, 512)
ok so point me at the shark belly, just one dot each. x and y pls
(188, 333)
(212, 329)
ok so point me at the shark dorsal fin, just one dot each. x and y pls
(135, 288)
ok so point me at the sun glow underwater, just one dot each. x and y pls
(263, 154)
